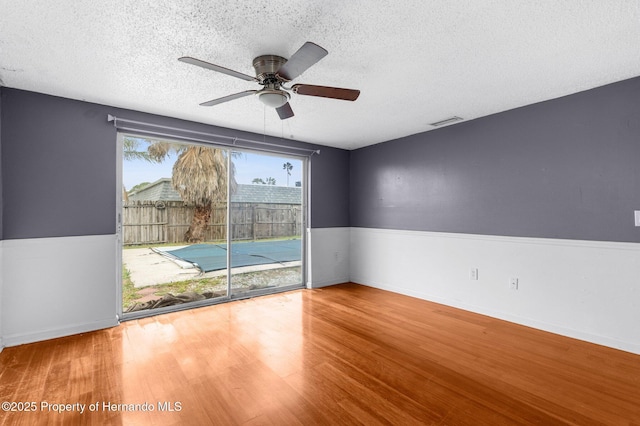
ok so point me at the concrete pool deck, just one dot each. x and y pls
(148, 268)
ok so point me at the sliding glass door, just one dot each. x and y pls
(266, 220)
(200, 224)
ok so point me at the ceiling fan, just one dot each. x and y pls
(272, 72)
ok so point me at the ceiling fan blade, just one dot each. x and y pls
(218, 68)
(299, 62)
(285, 111)
(228, 98)
(326, 92)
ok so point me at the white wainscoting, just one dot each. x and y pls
(582, 289)
(53, 287)
(1, 274)
(328, 256)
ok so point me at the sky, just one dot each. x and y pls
(248, 166)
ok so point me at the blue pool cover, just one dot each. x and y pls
(213, 257)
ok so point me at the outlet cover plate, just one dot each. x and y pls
(637, 217)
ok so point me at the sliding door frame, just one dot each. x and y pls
(305, 159)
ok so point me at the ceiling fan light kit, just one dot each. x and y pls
(273, 98)
(272, 72)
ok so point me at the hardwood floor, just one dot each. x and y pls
(345, 354)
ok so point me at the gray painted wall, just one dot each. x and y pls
(57, 154)
(565, 168)
(330, 188)
(60, 153)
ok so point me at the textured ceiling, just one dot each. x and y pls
(415, 61)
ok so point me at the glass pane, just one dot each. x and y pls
(174, 220)
(266, 223)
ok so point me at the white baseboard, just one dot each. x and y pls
(552, 328)
(21, 339)
(320, 284)
(581, 289)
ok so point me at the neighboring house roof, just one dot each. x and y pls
(267, 194)
(162, 190)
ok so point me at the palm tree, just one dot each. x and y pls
(268, 181)
(131, 150)
(288, 167)
(199, 175)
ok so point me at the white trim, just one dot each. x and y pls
(581, 289)
(320, 284)
(54, 333)
(119, 222)
(306, 184)
(501, 238)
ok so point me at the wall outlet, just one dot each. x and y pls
(473, 274)
(637, 217)
(513, 283)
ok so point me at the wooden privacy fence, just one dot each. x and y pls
(156, 222)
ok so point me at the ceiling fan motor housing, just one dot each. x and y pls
(266, 67)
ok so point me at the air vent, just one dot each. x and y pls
(446, 121)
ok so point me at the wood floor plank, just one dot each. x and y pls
(345, 354)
